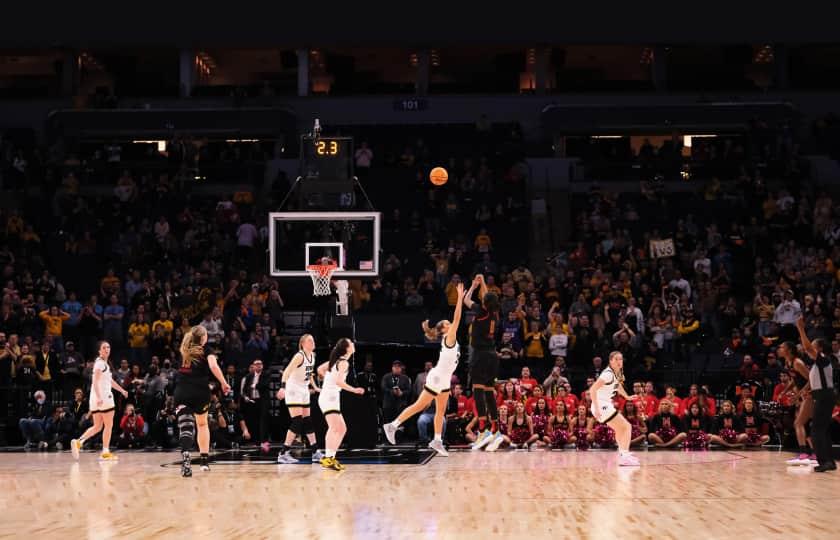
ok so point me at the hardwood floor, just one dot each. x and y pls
(708, 495)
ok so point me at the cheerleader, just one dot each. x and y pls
(697, 428)
(101, 405)
(334, 373)
(638, 427)
(539, 419)
(798, 372)
(559, 427)
(582, 428)
(438, 380)
(504, 431)
(609, 384)
(520, 429)
(728, 427)
(752, 423)
(665, 427)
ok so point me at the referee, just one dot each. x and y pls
(821, 377)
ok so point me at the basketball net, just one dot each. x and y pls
(321, 275)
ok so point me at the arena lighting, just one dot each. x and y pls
(161, 145)
(608, 136)
(242, 140)
(687, 138)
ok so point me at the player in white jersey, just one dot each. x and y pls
(334, 374)
(298, 378)
(603, 390)
(438, 380)
(101, 405)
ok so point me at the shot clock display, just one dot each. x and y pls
(328, 159)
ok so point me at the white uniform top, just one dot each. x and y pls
(104, 386)
(331, 380)
(448, 360)
(610, 388)
(302, 374)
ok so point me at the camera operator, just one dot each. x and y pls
(786, 315)
(132, 424)
(396, 390)
(164, 430)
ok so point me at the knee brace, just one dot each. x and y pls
(490, 400)
(186, 429)
(296, 426)
(307, 425)
(480, 403)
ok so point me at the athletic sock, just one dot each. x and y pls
(330, 453)
(623, 453)
(203, 459)
(438, 437)
(396, 423)
(284, 448)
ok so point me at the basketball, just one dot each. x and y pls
(438, 176)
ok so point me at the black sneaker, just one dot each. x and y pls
(825, 467)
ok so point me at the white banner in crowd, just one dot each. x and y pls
(662, 248)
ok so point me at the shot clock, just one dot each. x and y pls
(327, 158)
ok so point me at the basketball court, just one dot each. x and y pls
(674, 494)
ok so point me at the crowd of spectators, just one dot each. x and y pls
(751, 253)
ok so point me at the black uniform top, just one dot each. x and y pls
(664, 420)
(194, 377)
(483, 332)
(696, 423)
(729, 421)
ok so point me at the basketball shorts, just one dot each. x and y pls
(484, 367)
(106, 405)
(606, 413)
(330, 402)
(297, 395)
(438, 381)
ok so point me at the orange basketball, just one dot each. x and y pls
(438, 176)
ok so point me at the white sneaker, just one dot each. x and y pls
(285, 458)
(495, 442)
(484, 438)
(628, 460)
(317, 456)
(390, 433)
(801, 459)
(437, 446)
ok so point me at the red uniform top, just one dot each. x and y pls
(466, 406)
(531, 403)
(711, 406)
(528, 385)
(649, 404)
(570, 400)
(781, 397)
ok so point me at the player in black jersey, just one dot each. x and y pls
(192, 396)
(798, 371)
(484, 360)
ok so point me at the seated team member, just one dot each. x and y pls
(697, 428)
(582, 428)
(728, 426)
(539, 420)
(504, 424)
(665, 429)
(531, 402)
(560, 426)
(753, 425)
(638, 427)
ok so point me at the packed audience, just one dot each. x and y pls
(751, 254)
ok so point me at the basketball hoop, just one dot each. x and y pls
(321, 275)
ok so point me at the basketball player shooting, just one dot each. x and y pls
(484, 363)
